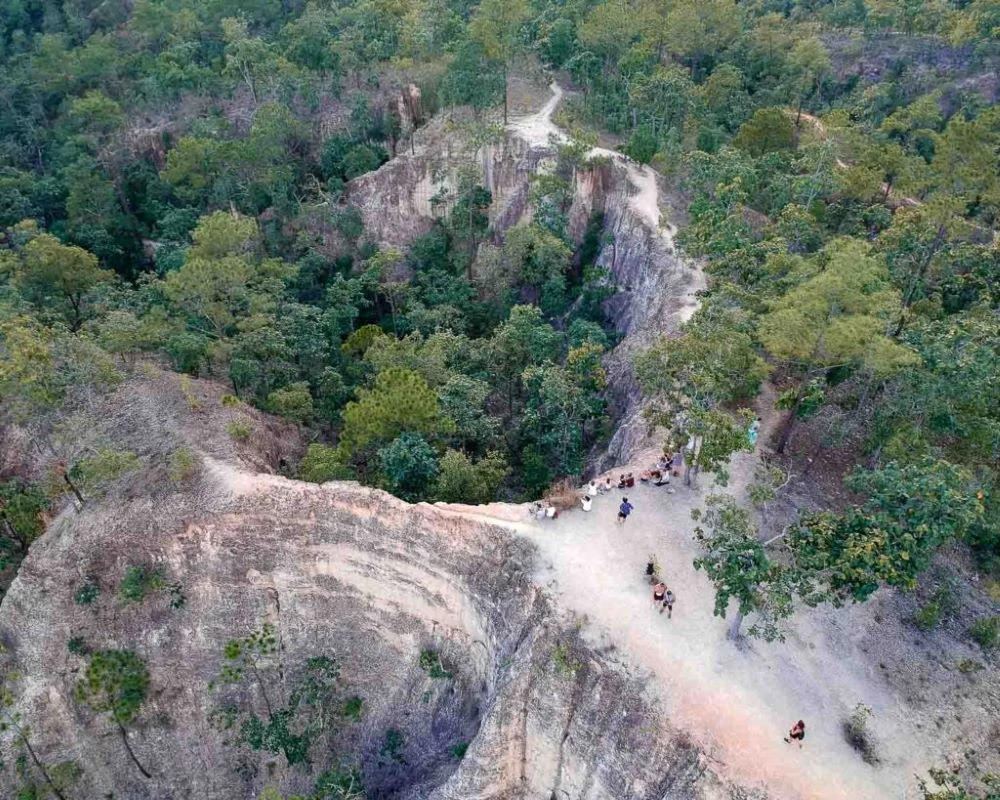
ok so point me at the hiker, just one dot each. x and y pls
(621, 481)
(629, 481)
(550, 512)
(624, 510)
(754, 431)
(607, 486)
(586, 501)
(668, 603)
(798, 731)
(592, 489)
(651, 569)
(537, 510)
(604, 486)
(659, 592)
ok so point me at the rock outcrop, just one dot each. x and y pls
(655, 285)
(520, 706)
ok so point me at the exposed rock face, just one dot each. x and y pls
(338, 570)
(655, 283)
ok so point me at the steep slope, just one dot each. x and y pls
(338, 571)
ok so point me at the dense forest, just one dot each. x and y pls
(173, 187)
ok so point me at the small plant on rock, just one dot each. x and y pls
(181, 464)
(137, 582)
(86, 593)
(857, 734)
(240, 430)
(430, 662)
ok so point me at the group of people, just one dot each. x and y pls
(595, 488)
(662, 595)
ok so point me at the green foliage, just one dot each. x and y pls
(86, 593)
(115, 683)
(139, 581)
(21, 523)
(181, 464)
(986, 632)
(95, 472)
(430, 662)
(323, 463)
(461, 480)
(736, 562)
(392, 745)
(77, 645)
(295, 714)
(563, 660)
(240, 430)
(911, 511)
(408, 465)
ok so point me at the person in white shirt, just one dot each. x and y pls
(587, 502)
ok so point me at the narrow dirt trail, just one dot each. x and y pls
(539, 130)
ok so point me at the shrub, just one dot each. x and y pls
(986, 632)
(87, 593)
(77, 646)
(229, 401)
(857, 734)
(458, 751)
(137, 582)
(430, 662)
(323, 463)
(240, 430)
(392, 744)
(181, 464)
(351, 709)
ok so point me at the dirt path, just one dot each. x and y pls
(736, 703)
(539, 130)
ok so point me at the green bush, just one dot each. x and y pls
(240, 430)
(986, 632)
(86, 594)
(181, 464)
(77, 646)
(137, 582)
(430, 662)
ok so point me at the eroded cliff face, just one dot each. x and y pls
(655, 284)
(339, 571)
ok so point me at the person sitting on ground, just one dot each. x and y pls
(668, 603)
(586, 501)
(550, 512)
(592, 489)
(538, 510)
(629, 481)
(645, 475)
(798, 731)
(621, 481)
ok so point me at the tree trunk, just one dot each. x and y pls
(72, 486)
(128, 747)
(786, 433)
(505, 92)
(40, 765)
(734, 634)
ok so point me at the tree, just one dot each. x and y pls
(496, 26)
(910, 512)
(737, 563)
(323, 463)
(408, 466)
(21, 509)
(399, 400)
(115, 683)
(297, 709)
(767, 131)
(838, 317)
(460, 480)
(808, 63)
(55, 276)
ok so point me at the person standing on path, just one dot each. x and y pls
(659, 591)
(668, 603)
(624, 510)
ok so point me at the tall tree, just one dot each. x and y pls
(496, 25)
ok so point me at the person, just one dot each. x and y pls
(668, 603)
(587, 501)
(550, 512)
(621, 481)
(624, 510)
(659, 592)
(538, 511)
(606, 486)
(629, 480)
(651, 569)
(754, 431)
(592, 489)
(798, 731)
